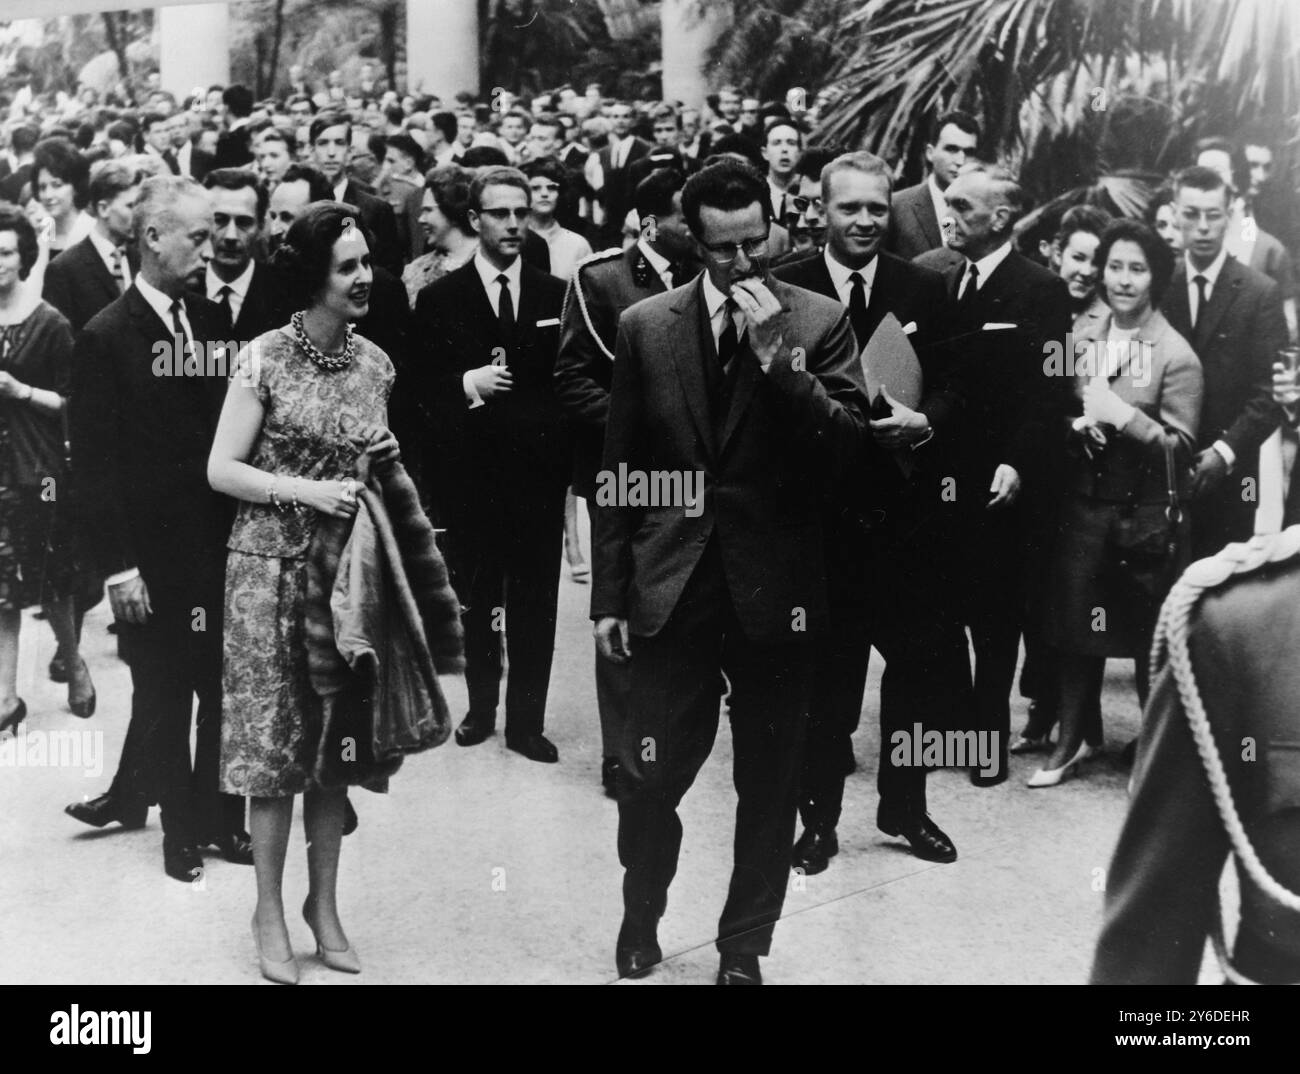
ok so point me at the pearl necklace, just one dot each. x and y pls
(331, 363)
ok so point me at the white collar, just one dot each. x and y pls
(714, 299)
(488, 272)
(1211, 273)
(340, 188)
(160, 303)
(105, 247)
(989, 263)
(239, 284)
(840, 273)
(657, 260)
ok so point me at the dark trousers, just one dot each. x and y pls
(673, 719)
(171, 663)
(613, 695)
(513, 579)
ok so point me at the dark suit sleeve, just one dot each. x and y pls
(1043, 398)
(1260, 416)
(1162, 887)
(438, 377)
(942, 400)
(388, 248)
(95, 413)
(56, 288)
(614, 525)
(826, 401)
(580, 393)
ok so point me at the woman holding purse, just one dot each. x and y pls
(1121, 537)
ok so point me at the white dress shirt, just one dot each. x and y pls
(106, 250)
(940, 206)
(986, 266)
(662, 266)
(1211, 274)
(238, 289)
(840, 277)
(340, 187)
(488, 273)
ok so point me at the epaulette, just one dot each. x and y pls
(1171, 646)
(576, 288)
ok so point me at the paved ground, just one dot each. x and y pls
(481, 866)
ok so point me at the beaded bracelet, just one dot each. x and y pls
(273, 495)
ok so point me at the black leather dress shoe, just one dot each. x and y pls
(534, 747)
(235, 847)
(814, 850)
(182, 862)
(639, 959)
(611, 773)
(928, 840)
(739, 970)
(473, 730)
(350, 820)
(108, 808)
(58, 669)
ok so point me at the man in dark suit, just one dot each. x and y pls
(141, 431)
(156, 140)
(331, 147)
(23, 142)
(90, 274)
(1008, 314)
(1232, 316)
(879, 534)
(918, 210)
(247, 291)
(604, 286)
(747, 392)
(491, 329)
(607, 171)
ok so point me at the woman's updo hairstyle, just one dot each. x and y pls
(305, 255)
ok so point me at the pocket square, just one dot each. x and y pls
(993, 326)
(548, 322)
(909, 328)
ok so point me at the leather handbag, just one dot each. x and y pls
(1145, 541)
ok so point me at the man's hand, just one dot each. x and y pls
(488, 380)
(903, 428)
(1005, 487)
(1209, 471)
(9, 387)
(763, 318)
(612, 639)
(130, 601)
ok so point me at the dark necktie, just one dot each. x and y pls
(729, 341)
(1200, 282)
(858, 307)
(118, 277)
(223, 300)
(967, 299)
(506, 310)
(677, 274)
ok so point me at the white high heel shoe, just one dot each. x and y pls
(1050, 777)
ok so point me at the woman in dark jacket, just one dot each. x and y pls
(37, 565)
(1138, 389)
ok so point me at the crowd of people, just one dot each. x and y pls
(468, 315)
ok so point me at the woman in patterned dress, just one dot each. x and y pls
(307, 401)
(37, 565)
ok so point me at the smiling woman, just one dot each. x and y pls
(306, 414)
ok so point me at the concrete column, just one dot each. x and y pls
(688, 29)
(442, 47)
(193, 47)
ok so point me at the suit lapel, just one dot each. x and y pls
(926, 218)
(748, 375)
(1225, 292)
(691, 346)
(99, 271)
(1175, 306)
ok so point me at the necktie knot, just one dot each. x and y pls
(1202, 280)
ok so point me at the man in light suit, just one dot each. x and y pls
(919, 210)
(879, 533)
(749, 392)
(603, 287)
(1232, 316)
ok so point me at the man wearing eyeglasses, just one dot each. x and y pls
(491, 329)
(1232, 316)
(805, 216)
(754, 386)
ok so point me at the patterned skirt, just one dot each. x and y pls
(38, 561)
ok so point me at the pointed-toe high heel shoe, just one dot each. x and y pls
(85, 708)
(1050, 777)
(16, 716)
(345, 961)
(279, 972)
